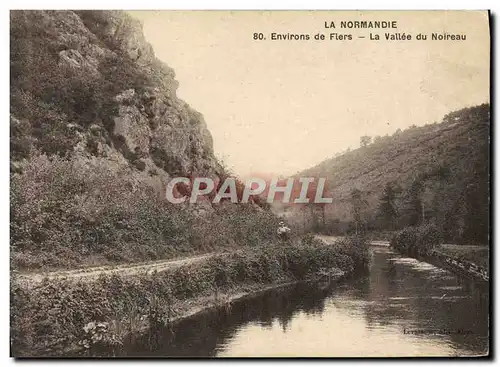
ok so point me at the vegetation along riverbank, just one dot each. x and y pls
(426, 242)
(94, 318)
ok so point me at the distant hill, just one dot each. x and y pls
(443, 168)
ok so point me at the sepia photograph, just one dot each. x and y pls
(250, 183)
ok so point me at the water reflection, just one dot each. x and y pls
(392, 311)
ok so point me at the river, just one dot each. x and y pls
(400, 307)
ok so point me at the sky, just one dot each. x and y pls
(278, 107)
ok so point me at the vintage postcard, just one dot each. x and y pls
(249, 183)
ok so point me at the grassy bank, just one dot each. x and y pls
(479, 255)
(427, 241)
(94, 318)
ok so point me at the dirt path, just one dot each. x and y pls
(92, 273)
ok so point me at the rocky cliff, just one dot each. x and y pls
(88, 83)
(96, 132)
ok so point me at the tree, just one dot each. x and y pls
(315, 208)
(387, 210)
(414, 206)
(358, 205)
(477, 202)
(365, 140)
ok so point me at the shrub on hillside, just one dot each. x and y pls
(66, 213)
(63, 211)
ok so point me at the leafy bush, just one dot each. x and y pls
(310, 239)
(97, 338)
(417, 240)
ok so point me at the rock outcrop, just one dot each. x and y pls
(87, 82)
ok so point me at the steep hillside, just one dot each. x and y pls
(87, 82)
(437, 172)
(96, 132)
